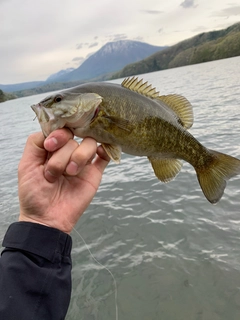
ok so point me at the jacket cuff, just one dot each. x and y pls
(38, 239)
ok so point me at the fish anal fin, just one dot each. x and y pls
(140, 87)
(113, 151)
(181, 106)
(165, 169)
(213, 178)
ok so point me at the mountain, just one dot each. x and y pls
(60, 73)
(20, 86)
(204, 47)
(112, 57)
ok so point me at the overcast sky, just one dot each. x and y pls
(41, 37)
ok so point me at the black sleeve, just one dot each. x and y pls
(35, 273)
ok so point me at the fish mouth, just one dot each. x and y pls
(46, 119)
(43, 114)
(95, 114)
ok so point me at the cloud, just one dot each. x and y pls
(86, 45)
(188, 4)
(88, 55)
(231, 11)
(138, 38)
(35, 52)
(118, 36)
(79, 46)
(199, 29)
(78, 59)
(94, 44)
(152, 11)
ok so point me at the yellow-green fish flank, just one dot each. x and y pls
(134, 118)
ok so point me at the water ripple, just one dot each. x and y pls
(173, 254)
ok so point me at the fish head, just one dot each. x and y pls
(66, 109)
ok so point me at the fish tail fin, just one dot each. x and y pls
(213, 179)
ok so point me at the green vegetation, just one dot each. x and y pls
(204, 47)
(6, 96)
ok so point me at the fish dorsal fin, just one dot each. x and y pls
(141, 87)
(181, 106)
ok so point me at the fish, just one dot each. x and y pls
(133, 117)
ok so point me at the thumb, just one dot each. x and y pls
(34, 153)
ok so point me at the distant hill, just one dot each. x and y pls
(112, 57)
(47, 87)
(6, 96)
(20, 86)
(204, 47)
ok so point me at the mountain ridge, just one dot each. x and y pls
(208, 46)
(111, 57)
(20, 86)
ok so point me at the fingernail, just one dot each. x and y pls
(54, 140)
(72, 168)
(51, 143)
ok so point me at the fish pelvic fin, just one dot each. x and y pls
(181, 106)
(113, 151)
(165, 169)
(213, 179)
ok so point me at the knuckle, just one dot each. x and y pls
(32, 137)
(55, 167)
(83, 155)
(78, 158)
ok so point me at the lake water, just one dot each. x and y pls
(174, 255)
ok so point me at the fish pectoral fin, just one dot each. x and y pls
(181, 106)
(120, 123)
(165, 169)
(113, 151)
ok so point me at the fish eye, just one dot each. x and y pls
(58, 98)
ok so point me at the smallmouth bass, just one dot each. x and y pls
(134, 118)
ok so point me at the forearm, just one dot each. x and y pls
(35, 273)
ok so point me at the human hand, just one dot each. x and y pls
(56, 190)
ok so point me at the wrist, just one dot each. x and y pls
(66, 228)
(27, 219)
